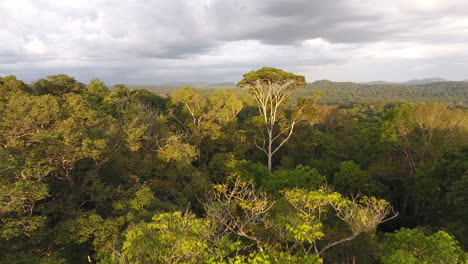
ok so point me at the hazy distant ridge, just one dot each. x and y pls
(451, 92)
(411, 82)
(423, 90)
(173, 86)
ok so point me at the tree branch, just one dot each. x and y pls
(337, 243)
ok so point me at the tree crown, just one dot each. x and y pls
(269, 75)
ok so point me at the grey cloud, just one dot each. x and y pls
(301, 8)
(288, 22)
(177, 29)
(290, 33)
(279, 22)
(146, 40)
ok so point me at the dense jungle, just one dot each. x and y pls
(272, 170)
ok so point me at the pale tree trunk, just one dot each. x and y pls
(269, 151)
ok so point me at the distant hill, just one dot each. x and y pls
(423, 81)
(453, 93)
(204, 85)
(168, 88)
(379, 82)
(423, 90)
(411, 82)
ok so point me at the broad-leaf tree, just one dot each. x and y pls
(271, 89)
(414, 246)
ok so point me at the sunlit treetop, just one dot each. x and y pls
(271, 76)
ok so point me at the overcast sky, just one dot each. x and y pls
(158, 41)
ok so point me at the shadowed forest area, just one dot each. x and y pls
(273, 171)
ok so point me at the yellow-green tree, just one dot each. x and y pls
(271, 89)
(414, 246)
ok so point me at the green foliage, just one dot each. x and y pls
(401, 122)
(267, 76)
(92, 175)
(135, 131)
(272, 257)
(122, 90)
(306, 225)
(58, 85)
(441, 190)
(225, 105)
(455, 194)
(420, 135)
(247, 171)
(98, 88)
(23, 226)
(351, 179)
(176, 150)
(413, 246)
(237, 208)
(424, 132)
(315, 202)
(301, 177)
(9, 85)
(271, 88)
(342, 93)
(219, 166)
(143, 197)
(168, 238)
(150, 99)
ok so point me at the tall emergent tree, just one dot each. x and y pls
(271, 88)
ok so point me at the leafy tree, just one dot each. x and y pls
(98, 176)
(174, 149)
(301, 177)
(351, 179)
(24, 122)
(271, 256)
(271, 88)
(45, 140)
(440, 192)
(98, 88)
(58, 85)
(122, 89)
(236, 208)
(422, 133)
(305, 226)
(169, 238)
(414, 246)
(149, 99)
(9, 84)
(207, 116)
(222, 107)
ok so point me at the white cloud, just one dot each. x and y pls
(182, 40)
(35, 47)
